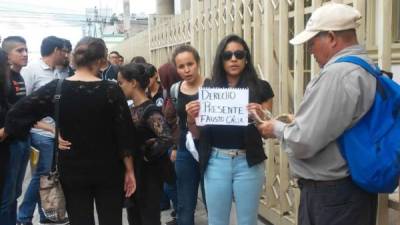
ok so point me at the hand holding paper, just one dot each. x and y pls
(223, 106)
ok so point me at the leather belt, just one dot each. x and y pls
(317, 183)
(230, 152)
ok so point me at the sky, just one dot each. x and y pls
(36, 19)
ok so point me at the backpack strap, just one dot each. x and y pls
(57, 98)
(362, 63)
(377, 73)
(175, 92)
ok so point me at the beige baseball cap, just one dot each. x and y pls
(329, 17)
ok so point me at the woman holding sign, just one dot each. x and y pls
(231, 156)
(187, 62)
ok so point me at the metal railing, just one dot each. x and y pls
(267, 26)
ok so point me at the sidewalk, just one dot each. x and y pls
(200, 215)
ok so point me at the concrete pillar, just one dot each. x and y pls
(127, 16)
(185, 5)
(165, 7)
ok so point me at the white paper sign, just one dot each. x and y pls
(223, 106)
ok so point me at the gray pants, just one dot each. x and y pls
(339, 202)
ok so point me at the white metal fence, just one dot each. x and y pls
(267, 26)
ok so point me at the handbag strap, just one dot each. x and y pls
(57, 98)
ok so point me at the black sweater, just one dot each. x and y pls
(94, 117)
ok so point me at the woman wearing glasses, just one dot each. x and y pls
(232, 157)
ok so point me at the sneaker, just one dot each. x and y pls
(49, 222)
(173, 214)
(172, 222)
(24, 223)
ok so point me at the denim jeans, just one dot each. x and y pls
(188, 177)
(165, 201)
(227, 178)
(31, 198)
(15, 172)
(170, 193)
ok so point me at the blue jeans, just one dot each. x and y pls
(227, 178)
(31, 198)
(188, 177)
(15, 172)
(170, 193)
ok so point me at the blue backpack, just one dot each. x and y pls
(372, 146)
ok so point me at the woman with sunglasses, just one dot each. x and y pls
(232, 157)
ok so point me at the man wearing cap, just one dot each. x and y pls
(332, 103)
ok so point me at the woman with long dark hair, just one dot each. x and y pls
(154, 135)
(4, 145)
(232, 157)
(95, 164)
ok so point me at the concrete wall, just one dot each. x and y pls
(134, 46)
(185, 5)
(165, 7)
(396, 72)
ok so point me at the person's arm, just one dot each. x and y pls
(192, 110)
(29, 77)
(29, 110)
(163, 140)
(264, 109)
(3, 135)
(130, 180)
(260, 112)
(122, 123)
(267, 105)
(62, 144)
(326, 111)
(124, 132)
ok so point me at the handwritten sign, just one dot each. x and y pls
(223, 106)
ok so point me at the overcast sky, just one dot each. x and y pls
(36, 19)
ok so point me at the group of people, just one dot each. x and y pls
(112, 153)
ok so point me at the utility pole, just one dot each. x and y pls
(95, 23)
(127, 18)
(96, 14)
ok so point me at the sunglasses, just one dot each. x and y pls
(239, 54)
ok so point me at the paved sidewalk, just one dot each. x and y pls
(200, 215)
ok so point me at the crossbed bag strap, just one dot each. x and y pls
(175, 92)
(57, 98)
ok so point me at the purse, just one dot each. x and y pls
(51, 193)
